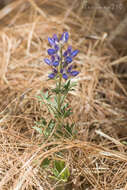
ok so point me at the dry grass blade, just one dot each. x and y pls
(9, 8)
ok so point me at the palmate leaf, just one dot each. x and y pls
(60, 171)
(45, 98)
(39, 130)
(56, 90)
(48, 130)
(43, 127)
(68, 86)
(45, 95)
(66, 112)
(65, 130)
(45, 163)
(42, 96)
(40, 125)
(69, 128)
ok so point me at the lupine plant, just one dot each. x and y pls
(62, 71)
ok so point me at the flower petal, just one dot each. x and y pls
(47, 61)
(68, 59)
(74, 53)
(61, 70)
(65, 53)
(51, 51)
(65, 76)
(56, 47)
(74, 73)
(54, 70)
(55, 38)
(58, 57)
(66, 36)
(52, 58)
(62, 37)
(69, 69)
(52, 75)
(69, 49)
(51, 41)
(55, 64)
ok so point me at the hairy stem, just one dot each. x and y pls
(60, 82)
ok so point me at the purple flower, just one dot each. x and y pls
(51, 41)
(55, 64)
(51, 51)
(64, 38)
(69, 69)
(74, 73)
(69, 49)
(47, 61)
(55, 38)
(56, 47)
(65, 76)
(66, 73)
(74, 53)
(60, 59)
(52, 58)
(68, 59)
(51, 76)
(65, 53)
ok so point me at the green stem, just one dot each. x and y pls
(60, 82)
(59, 94)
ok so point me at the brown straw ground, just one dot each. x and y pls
(97, 158)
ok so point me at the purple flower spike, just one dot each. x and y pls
(51, 42)
(61, 60)
(74, 73)
(52, 75)
(51, 51)
(55, 64)
(65, 76)
(47, 61)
